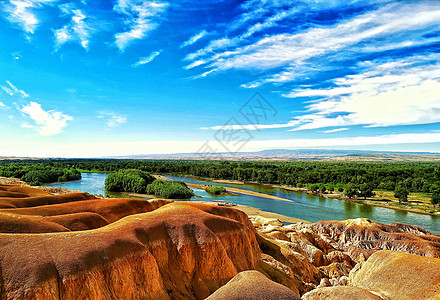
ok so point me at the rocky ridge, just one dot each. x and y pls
(75, 245)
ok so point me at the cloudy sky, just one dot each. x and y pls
(95, 78)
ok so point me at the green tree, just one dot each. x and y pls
(215, 190)
(366, 190)
(350, 190)
(435, 197)
(314, 188)
(401, 193)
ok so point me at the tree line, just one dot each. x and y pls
(38, 173)
(412, 176)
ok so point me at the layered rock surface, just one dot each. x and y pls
(329, 257)
(178, 250)
(252, 285)
(77, 246)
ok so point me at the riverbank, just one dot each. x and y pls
(241, 191)
(256, 212)
(389, 202)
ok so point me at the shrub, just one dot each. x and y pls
(169, 189)
(401, 193)
(435, 197)
(130, 180)
(215, 190)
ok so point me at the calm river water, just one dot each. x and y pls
(306, 207)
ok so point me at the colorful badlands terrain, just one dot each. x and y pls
(78, 246)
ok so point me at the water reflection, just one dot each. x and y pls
(367, 211)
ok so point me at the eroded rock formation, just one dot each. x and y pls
(76, 246)
(124, 249)
(252, 285)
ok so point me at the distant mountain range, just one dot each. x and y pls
(300, 154)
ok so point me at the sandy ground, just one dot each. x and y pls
(240, 191)
(161, 177)
(252, 211)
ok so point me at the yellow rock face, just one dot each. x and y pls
(339, 293)
(252, 285)
(137, 250)
(399, 276)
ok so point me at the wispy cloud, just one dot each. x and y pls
(336, 130)
(194, 38)
(146, 60)
(253, 126)
(47, 122)
(400, 92)
(388, 93)
(112, 119)
(12, 90)
(22, 12)
(141, 17)
(76, 30)
(393, 26)
(228, 42)
(2, 104)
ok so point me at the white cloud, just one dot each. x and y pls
(146, 60)
(12, 90)
(393, 25)
(194, 38)
(227, 42)
(22, 12)
(113, 119)
(401, 92)
(140, 18)
(2, 104)
(253, 126)
(76, 30)
(27, 126)
(47, 122)
(336, 130)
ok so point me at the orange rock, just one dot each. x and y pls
(339, 293)
(8, 202)
(399, 276)
(364, 236)
(179, 251)
(253, 285)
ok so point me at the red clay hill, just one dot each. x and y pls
(78, 246)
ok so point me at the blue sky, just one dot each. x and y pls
(96, 78)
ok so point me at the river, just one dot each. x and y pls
(305, 206)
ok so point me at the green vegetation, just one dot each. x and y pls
(130, 180)
(137, 181)
(350, 190)
(215, 190)
(401, 193)
(366, 190)
(435, 197)
(356, 178)
(39, 173)
(169, 189)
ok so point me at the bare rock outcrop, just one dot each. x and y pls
(252, 285)
(177, 251)
(339, 293)
(396, 275)
(363, 236)
(77, 246)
